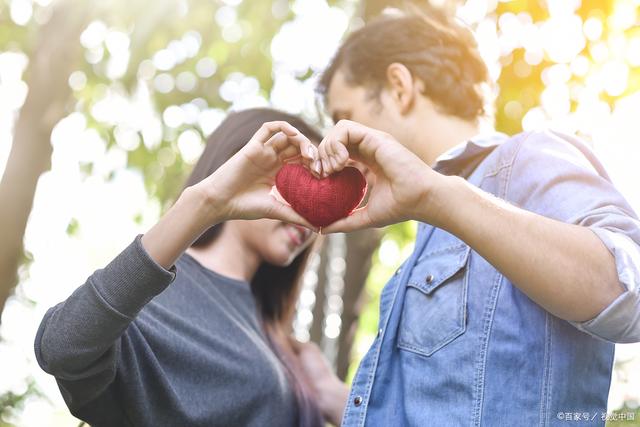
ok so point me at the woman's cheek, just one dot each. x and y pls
(282, 251)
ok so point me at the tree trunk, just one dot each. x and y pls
(360, 247)
(356, 248)
(56, 52)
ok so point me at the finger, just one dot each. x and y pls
(290, 154)
(295, 137)
(363, 161)
(317, 168)
(287, 149)
(322, 152)
(285, 213)
(334, 164)
(276, 195)
(329, 148)
(333, 153)
(301, 145)
(281, 142)
(330, 169)
(278, 141)
(283, 150)
(293, 156)
(306, 147)
(358, 220)
(357, 138)
(269, 128)
(342, 154)
(322, 148)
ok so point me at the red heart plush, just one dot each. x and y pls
(321, 201)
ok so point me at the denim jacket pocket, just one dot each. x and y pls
(435, 304)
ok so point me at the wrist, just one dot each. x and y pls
(203, 205)
(187, 219)
(437, 200)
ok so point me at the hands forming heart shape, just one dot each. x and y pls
(318, 186)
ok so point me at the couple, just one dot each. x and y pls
(525, 271)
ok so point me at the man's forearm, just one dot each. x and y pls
(564, 268)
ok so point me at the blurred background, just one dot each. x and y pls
(105, 106)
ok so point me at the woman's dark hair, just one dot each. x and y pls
(272, 285)
(436, 49)
(275, 288)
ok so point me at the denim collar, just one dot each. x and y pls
(461, 159)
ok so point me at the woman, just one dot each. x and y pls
(188, 326)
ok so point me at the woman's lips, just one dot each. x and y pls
(297, 234)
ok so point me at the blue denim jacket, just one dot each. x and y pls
(460, 345)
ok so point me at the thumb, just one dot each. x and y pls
(282, 212)
(276, 195)
(358, 219)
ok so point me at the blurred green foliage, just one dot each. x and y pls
(12, 403)
(151, 29)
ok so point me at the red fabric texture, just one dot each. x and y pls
(321, 201)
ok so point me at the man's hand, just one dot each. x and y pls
(404, 185)
(565, 268)
(332, 393)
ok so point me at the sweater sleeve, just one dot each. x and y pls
(78, 340)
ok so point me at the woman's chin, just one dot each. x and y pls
(284, 251)
(281, 259)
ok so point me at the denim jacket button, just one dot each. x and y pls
(429, 278)
(357, 400)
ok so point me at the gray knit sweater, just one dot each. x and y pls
(137, 345)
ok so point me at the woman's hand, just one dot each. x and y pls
(403, 182)
(331, 392)
(240, 189)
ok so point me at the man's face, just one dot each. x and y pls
(357, 103)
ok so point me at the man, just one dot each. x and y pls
(526, 267)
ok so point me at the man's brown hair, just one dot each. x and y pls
(436, 49)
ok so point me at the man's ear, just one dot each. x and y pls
(401, 86)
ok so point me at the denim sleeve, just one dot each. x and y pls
(557, 176)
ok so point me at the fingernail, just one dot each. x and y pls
(334, 163)
(310, 152)
(317, 166)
